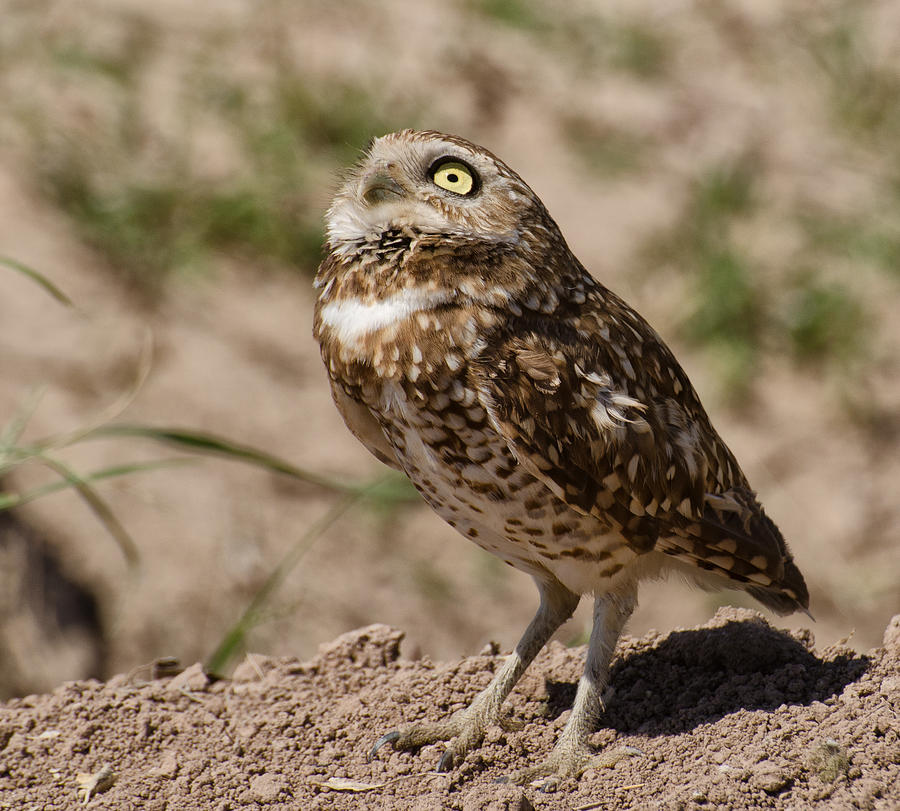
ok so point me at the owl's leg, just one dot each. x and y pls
(572, 756)
(465, 729)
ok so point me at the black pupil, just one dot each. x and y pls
(453, 177)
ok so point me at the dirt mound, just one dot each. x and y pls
(732, 714)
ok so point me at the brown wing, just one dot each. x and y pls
(623, 436)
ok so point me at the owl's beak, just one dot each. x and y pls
(379, 187)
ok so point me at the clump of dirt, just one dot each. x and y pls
(731, 714)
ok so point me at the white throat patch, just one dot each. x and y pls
(353, 319)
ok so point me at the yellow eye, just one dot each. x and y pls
(454, 176)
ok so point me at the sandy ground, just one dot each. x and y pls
(232, 354)
(734, 714)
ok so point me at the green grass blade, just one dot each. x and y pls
(11, 432)
(201, 442)
(233, 640)
(391, 490)
(40, 278)
(8, 500)
(115, 409)
(97, 505)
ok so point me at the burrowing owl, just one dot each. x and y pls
(532, 408)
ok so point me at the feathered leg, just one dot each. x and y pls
(465, 729)
(572, 756)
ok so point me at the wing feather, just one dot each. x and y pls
(641, 453)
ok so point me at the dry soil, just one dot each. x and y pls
(734, 714)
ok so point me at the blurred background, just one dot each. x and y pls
(730, 167)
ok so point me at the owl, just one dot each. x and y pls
(533, 409)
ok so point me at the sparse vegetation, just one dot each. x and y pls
(518, 13)
(385, 494)
(592, 39)
(728, 311)
(870, 238)
(824, 321)
(740, 309)
(639, 49)
(171, 150)
(862, 80)
(606, 151)
(727, 315)
(141, 191)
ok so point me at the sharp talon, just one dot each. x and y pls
(446, 762)
(389, 737)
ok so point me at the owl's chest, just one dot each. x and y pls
(439, 430)
(462, 467)
(443, 439)
(467, 474)
(408, 365)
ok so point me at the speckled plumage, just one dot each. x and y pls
(534, 410)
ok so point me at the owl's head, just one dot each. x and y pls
(434, 184)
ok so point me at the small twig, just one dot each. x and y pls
(95, 783)
(255, 665)
(358, 787)
(114, 409)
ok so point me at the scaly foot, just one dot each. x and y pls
(464, 730)
(565, 762)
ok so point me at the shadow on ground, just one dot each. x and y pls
(698, 676)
